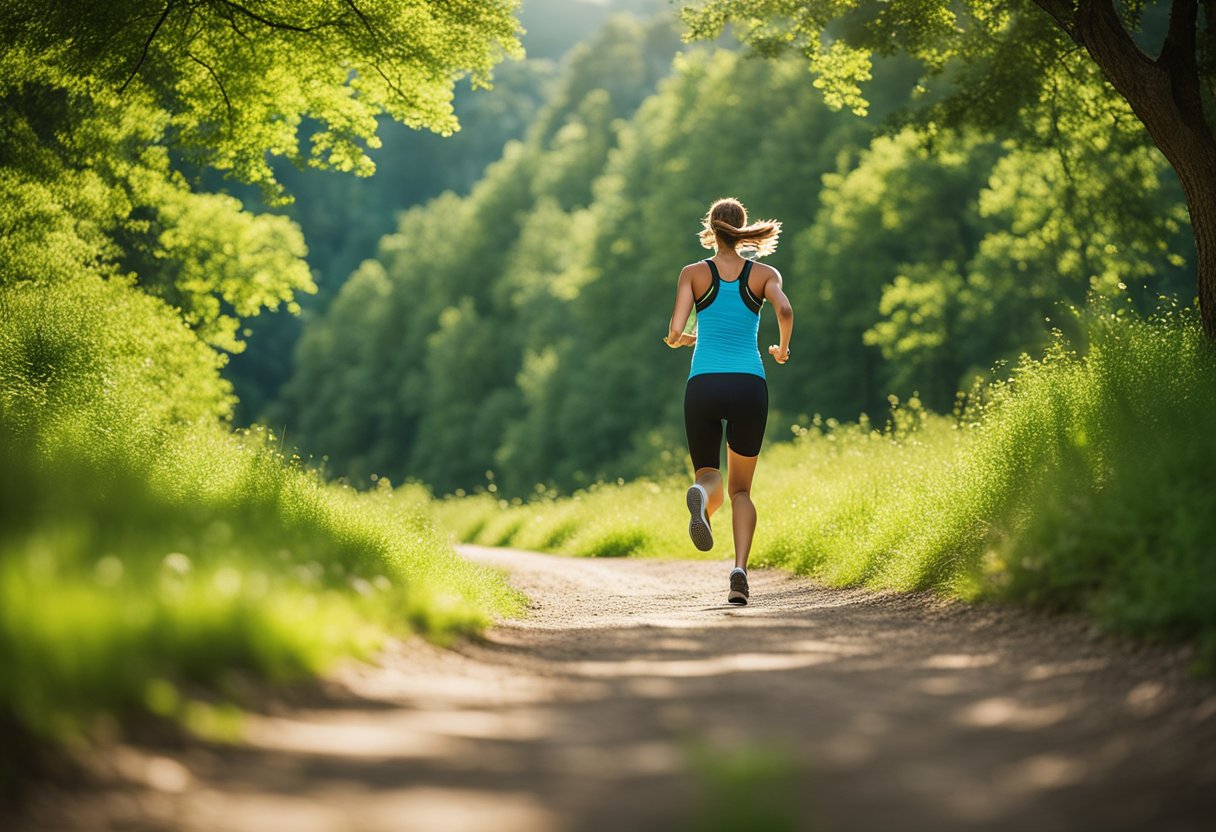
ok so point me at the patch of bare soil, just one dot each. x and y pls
(633, 697)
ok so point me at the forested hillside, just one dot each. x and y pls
(342, 216)
(516, 330)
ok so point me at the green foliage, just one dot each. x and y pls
(220, 560)
(343, 217)
(92, 361)
(980, 64)
(234, 81)
(1079, 483)
(149, 559)
(510, 324)
(948, 260)
(899, 216)
(465, 278)
(102, 198)
(96, 96)
(1124, 526)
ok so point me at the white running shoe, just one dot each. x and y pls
(698, 522)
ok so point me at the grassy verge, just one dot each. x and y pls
(119, 594)
(151, 561)
(1082, 482)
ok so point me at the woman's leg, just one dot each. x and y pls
(703, 426)
(739, 473)
(711, 480)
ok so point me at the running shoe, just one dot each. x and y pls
(698, 523)
(738, 587)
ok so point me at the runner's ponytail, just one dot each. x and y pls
(726, 224)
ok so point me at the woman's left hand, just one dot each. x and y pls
(685, 339)
(780, 355)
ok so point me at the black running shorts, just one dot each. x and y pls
(739, 399)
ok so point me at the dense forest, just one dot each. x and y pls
(342, 217)
(511, 333)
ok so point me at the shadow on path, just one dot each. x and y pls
(634, 698)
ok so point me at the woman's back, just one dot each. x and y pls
(728, 322)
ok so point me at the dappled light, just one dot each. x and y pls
(668, 702)
(269, 422)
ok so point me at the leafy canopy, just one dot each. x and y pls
(236, 80)
(983, 63)
(106, 105)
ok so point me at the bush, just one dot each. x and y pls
(150, 558)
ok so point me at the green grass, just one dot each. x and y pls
(640, 518)
(153, 562)
(221, 559)
(1082, 482)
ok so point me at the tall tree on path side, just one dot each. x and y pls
(1004, 58)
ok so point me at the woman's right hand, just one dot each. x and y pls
(779, 355)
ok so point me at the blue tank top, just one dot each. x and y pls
(728, 322)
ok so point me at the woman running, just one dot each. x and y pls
(726, 382)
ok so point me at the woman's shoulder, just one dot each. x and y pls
(762, 273)
(697, 272)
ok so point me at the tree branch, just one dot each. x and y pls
(366, 23)
(375, 40)
(147, 45)
(1061, 12)
(273, 24)
(1129, 69)
(1097, 19)
(216, 78)
(1179, 47)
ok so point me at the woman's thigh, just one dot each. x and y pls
(747, 415)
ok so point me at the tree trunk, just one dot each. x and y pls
(1165, 95)
(1200, 189)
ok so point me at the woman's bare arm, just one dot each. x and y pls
(676, 337)
(775, 295)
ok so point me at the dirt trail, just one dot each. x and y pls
(632, 692)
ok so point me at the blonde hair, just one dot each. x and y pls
(726, 223)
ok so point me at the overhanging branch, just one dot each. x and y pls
(214, 77)
(147, 45)
(273, 24)
(1062, 13)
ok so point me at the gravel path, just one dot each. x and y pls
(634, 698)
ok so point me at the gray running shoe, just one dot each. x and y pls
(738, 588)
(698, 523)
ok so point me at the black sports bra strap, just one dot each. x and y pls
(745, 291)
(712, 291)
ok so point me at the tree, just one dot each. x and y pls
(476, 269)
(102, 102)
(1004, 57)
(237, 78)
